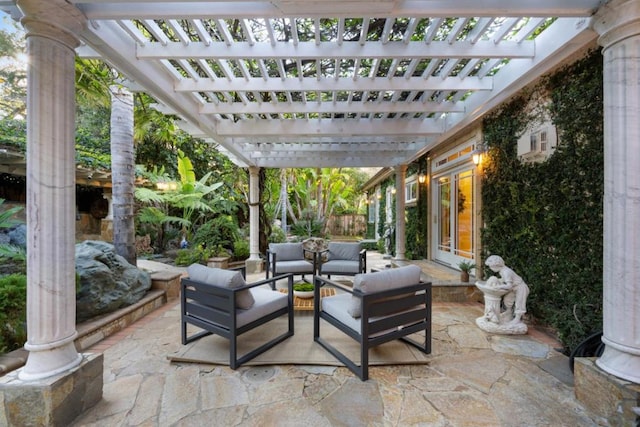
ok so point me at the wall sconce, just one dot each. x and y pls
(393, 190)
(476, 155)
(422, 178)
(379, 196)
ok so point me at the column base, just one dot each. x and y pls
(622, 365)
(254, 266)
(615, 400)
(53, 401)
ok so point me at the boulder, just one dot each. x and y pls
(107, 282)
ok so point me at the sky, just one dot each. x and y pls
(6, 23)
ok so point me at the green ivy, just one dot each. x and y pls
(545, 219)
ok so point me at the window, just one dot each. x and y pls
(533, 142)
(543, 140)
(411, 191)
(372, 210)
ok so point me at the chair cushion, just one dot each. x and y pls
(344, 251)
(224, 279)
(338, 266)
(266, 301)
(297, 267)
(287, 251)
(392, 278)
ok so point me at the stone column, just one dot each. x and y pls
(401, 171)
(254, 263)
(618, 23)
(51, 296)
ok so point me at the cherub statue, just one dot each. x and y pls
(515, 300)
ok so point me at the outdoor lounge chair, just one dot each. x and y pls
(343, 258)
(221, 302)
(381, 307)
(293, 258)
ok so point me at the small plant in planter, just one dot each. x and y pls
(303, 290)
(465, 268)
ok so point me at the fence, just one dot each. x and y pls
(347, 225)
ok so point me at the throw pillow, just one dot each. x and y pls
(225, 279)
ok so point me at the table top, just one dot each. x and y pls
(306, 304)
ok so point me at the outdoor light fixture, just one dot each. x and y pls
(393, 190)
(476, 155)
(422, 178)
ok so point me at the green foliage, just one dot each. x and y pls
(277, 235)
(303, 287)
(545, 219)
(241, 249)
(12, 253)
(13, 312)
(308, 226)
(219, 231)
(416, 237)
(466, 266)
(197, 255)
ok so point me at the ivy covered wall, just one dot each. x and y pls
(545, 219)
(416, 238)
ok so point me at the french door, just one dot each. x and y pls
(454, 208)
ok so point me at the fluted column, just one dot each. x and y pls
(618, 24)
(401, 171)
(51, 299)
(254, 213)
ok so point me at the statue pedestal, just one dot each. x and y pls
(495, 321)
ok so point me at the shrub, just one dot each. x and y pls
(220, 231)
(277, 235)
(197, 255)
(13, 312)
(241, 249)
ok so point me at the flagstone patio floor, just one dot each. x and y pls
(475, 379)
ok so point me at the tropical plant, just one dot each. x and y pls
(9, 252)
(466, 266)
(176, 203)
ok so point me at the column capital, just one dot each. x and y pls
(616, 21)
(54, 19)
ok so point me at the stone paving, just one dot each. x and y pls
(474, 379)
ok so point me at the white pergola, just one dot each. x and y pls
(297, 83)
(330, 83)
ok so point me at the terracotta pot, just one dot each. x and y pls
(464, 276)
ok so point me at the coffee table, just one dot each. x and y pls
(306, 304)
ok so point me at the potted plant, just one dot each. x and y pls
(465, 268)
(303, 290)
(219, 258)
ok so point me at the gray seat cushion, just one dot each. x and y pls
(340, 266)
(297, 267)
(266, 301)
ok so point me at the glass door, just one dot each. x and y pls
(454, 205)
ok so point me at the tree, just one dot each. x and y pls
(123, 173)
(13, 76)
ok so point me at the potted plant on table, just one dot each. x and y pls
(303, 290)
(465, 268)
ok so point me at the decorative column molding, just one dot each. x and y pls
(254, 213)
(51, 296)
(618, 23)
(401, 172)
